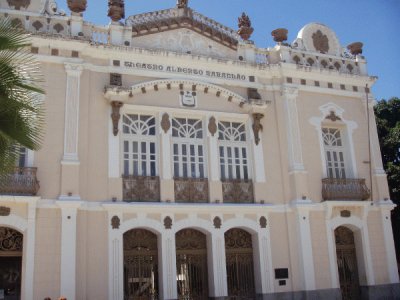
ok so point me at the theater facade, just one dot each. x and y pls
(181, 161)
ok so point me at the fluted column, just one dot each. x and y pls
(167, 253)
(217, 265)
(70, 160)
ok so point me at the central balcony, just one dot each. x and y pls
(344, 189)
(141, 188)
(237, 191)
(191, 190)
(21, 182)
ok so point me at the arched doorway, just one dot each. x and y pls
(10, 263)
(347, 263)
(140, 265)
(191, 264)
(239, 264)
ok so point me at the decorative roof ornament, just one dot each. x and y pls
(245, 29)
(355, 48)
(182, 3)
(77, 6)
(116, 10)
(279, 35)
(320, 41)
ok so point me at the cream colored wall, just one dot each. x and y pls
(378, 251)
(47, 253)
(320, 250)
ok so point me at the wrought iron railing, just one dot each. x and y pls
(141, 188)
(344, 189)
(22, 181)
(237, 191)
(191, 190)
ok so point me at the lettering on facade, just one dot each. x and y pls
(184, 70)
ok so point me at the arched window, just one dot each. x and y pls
(334, 152)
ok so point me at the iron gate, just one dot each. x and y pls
(239, 264)
(140, 265)
(191, 265)
(347, 263)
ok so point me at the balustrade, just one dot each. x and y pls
(344, 189)
(237, 191)
(22, 181)
(141, 188)
(191, 190)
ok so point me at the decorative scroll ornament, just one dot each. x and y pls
(182, 3)
(167, 222)
(4, 211)
(320, 41)
(245, 29)
(257, 126)
(333, 117)
(115, 115)
(190, 239)
(279, 35)
(355, 48)
(263, 222)
(137, 239)
(212, 126)
(10, 240)
(77, 6)
(165, 122)
(217, 222)
(19, 3)
(238, 238)
(116, 10)
(115, 222)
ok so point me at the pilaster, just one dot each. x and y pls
(166, 178)
(217, 265)
(70, 160)
(69, 211)
(167, 253)
(215, 186)
(263, 262)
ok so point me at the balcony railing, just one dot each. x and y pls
(237, 191)
(191, 190)
(22, 182)
(344, 189)
(141, 188)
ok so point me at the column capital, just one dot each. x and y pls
(289, 92)
(73, 69)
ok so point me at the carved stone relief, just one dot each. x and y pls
(333, 117)
(10, 239)
(17, 4)
(115, 222)
(212, 126)
(4, 211)
(257, 126)
(217, 222)
(167, 222)
(115, 115)
(320, 41)
(245, 29)
(263, 222)
(165, 122)
(115, 79)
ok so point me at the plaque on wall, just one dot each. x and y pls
(188, 98)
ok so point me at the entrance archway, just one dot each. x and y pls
(347, 263)
(191, 264)
(239, 264)
(140, 265)
(11, 242)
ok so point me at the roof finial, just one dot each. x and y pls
(116, 10)
(245, 29)
(77, 6)
(182, 3)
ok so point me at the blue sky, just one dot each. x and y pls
(376, 23)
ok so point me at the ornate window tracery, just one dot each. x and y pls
(334, 152)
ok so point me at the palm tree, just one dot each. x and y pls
(21, 109)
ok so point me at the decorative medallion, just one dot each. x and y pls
(4, 211)
(116, 10)
(320, 41)
(115, 115)
(19, 3)
(263, 222)
(345, 213)
(77, 6)
(245, 29)
(257, 126)
(10, 239)
(115, 79)
(279, 35)
(217, 222)
(115, 222)
(188, 98)
(167, 222)
(212, 126)
(333, 117)
(165, 122)
(182, 3)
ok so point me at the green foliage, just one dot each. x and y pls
(21, 109)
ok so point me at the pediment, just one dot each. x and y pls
(186, 23)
